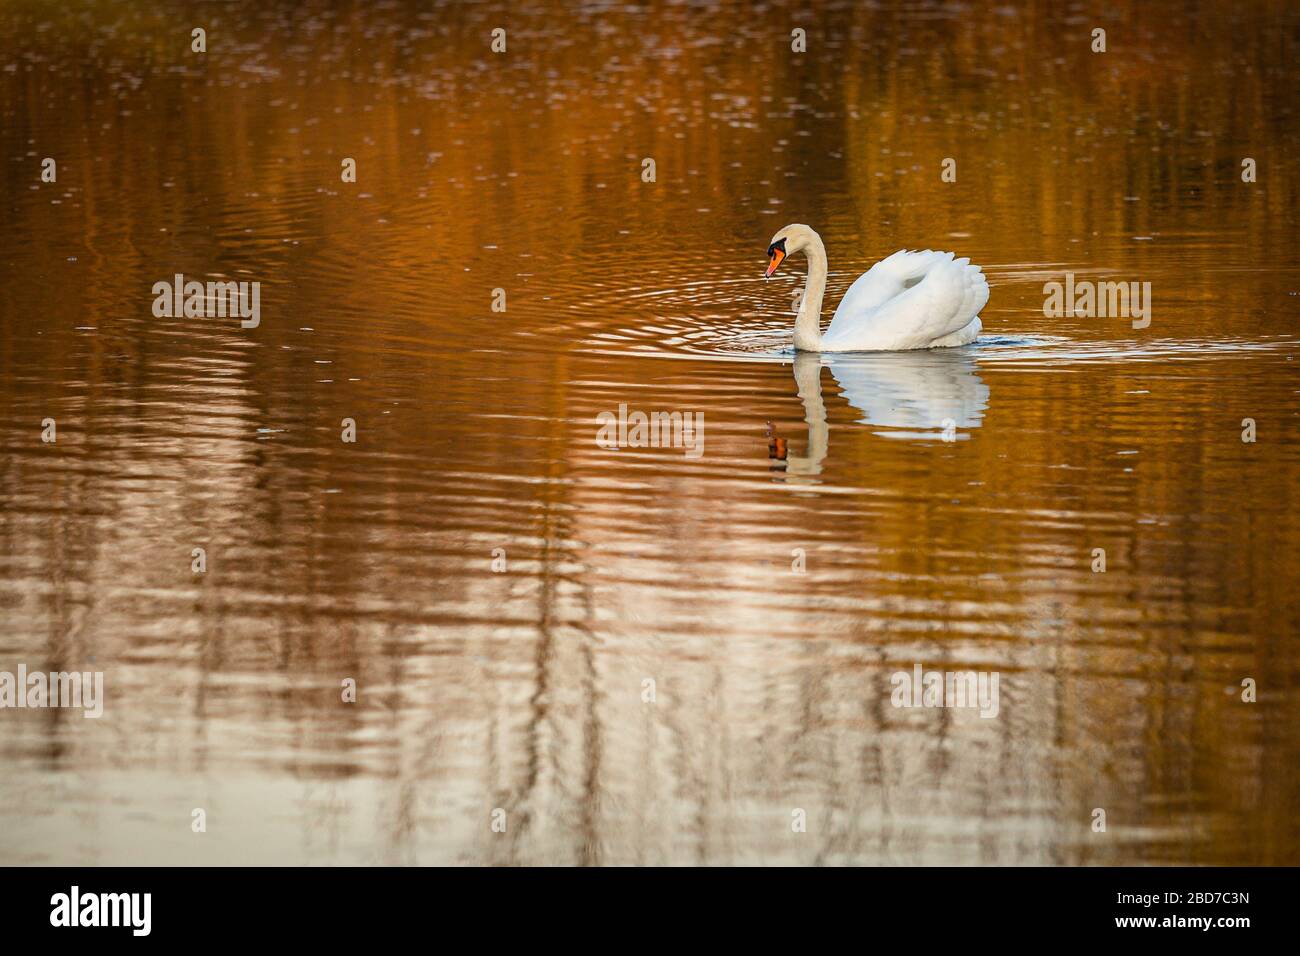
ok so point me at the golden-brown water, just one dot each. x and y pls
(524, 689)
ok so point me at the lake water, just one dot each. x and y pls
(646, 655)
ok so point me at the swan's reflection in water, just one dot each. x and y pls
(928, 395)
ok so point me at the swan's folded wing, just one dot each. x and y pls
(907, 266)
(887, 278)
(936, 306)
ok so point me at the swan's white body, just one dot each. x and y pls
(911, 300)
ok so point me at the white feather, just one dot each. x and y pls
(911, 300)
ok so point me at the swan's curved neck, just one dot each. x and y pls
(808, 324)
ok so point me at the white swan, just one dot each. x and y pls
(911, 300)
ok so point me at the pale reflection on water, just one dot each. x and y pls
(927, 392)
(944, 507)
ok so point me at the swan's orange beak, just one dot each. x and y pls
(777, 256)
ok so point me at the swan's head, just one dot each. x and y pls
(793, 238)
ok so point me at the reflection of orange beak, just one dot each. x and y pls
(777, 256)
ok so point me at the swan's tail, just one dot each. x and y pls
(966, 323)
(975, 288)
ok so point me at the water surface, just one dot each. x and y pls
(944, 507)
